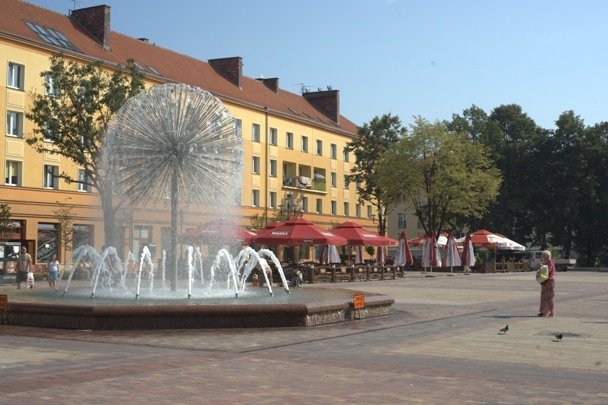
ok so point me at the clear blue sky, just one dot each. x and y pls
(430, 58)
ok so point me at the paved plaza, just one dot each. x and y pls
(440, 344)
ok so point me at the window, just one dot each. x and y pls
(319, 147)
(14, 123)
(289, 140)
(82, 235)
(319, 206)
(255, 164)
(255, 198)
(358, 210)
(83, 181)
(346, 157)
(47, 241)
(49, 131)
(334, 179)
(16, 73)
(273, 136)
(401, 221)
(369, 211)
(50, 176)
(238, 127)
(142, 236)
(255, 132)
(347, 209)
(51, 36)
(346, 181)
(334, 207)
(13, 173)
(273, 168)
(304, 144)
(304, 204)
(49, 85)
(333, 151)
(273, 199)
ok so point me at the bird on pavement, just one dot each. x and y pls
(558, 337)
(504, 330)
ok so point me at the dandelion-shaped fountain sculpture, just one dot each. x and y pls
(178, 142)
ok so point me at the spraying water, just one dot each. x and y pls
(226, 276)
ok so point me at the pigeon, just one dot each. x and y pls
(558, 337)
(504, 330)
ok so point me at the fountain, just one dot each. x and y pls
(114, 279)
(178, 143)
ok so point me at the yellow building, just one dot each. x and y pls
(293, 143)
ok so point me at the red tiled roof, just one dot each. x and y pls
(172, 66)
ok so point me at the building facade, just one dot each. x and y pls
(294, 160)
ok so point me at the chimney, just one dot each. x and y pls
(230, 69)
(325, 101)
(95, 21)
(272, 83)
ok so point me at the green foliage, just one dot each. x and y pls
(72, 121)
(5, 220)
(65, 215)
(256, 221)
(555, 188)
(370, 250)
(445, 175)
(373, 140)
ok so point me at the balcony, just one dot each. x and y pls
(304, 183)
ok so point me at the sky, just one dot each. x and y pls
(427, 58)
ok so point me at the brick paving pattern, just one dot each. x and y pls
(440, 343)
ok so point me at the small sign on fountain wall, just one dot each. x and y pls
(358, 304)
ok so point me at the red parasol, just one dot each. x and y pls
(355, 234)
(218, 229)
(298, 231)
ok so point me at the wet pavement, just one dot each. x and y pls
(440, 343)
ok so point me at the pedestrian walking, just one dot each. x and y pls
(53, 269)
(24, 266)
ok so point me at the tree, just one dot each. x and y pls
(518, 158)
(65, 215)
(73, 115)
(591, 228)
(374, 138)
(5, 220)
(445, 175)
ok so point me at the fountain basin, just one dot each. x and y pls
(303, 307)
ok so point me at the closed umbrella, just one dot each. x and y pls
(468, 254)
(403, 256)
(358, 254)
(330, 255)
(430, 253)
(451, 257)
(381, 255)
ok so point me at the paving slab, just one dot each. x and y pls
(440, 343)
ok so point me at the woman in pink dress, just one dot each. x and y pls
(547, 288)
